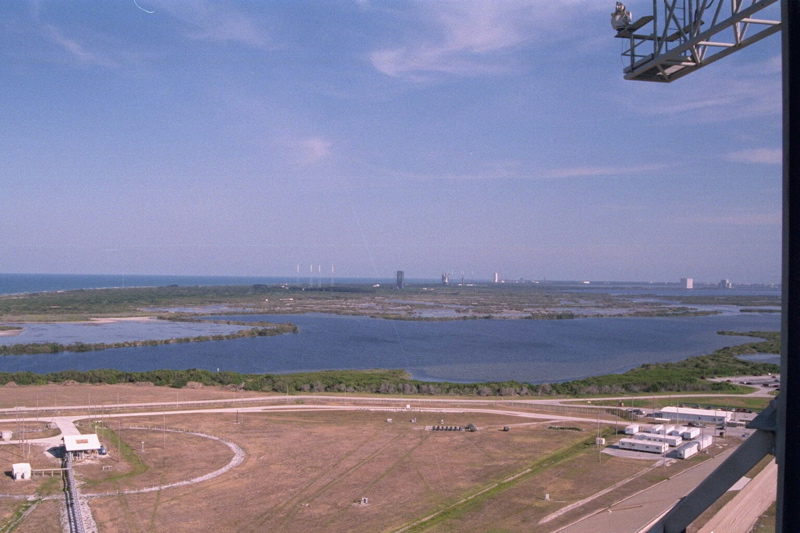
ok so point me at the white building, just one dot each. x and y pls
(687, 450)
(687, 283)
(691, 448)
(643, 445)
(81, 445)
(686, 414)
(21, 471)
(671, 440)
(690, 433)
(632, 429)
(705, 441)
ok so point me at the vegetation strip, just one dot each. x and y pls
(261, 329)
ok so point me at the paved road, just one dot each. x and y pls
(636, 512)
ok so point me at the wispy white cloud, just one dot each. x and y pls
(219, 23)
(741, 91)
(315, 149)
(306, 151)
(597, 171)
(765, 156)
(76, 50)
(470, 38)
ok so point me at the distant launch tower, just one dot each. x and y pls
(400, 279)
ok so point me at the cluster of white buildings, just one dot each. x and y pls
(659, 438)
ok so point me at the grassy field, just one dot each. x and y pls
(309, 470)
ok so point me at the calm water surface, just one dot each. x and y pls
(474, 350)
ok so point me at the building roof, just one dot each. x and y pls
(718, 413)
(81, 443)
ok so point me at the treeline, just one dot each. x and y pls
(687, 375)
(262, 330)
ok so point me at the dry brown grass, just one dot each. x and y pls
(308, 470)
(94, 397)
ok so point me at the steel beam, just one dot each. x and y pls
(693, 48)
(788, 436)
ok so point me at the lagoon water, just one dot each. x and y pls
(535, 351)
(122, 331)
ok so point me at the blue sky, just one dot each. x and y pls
(246, 138)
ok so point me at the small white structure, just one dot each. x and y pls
(690, 433)
(687, 450)
(632, 429)
(81, 445)
(21, 471)
(6, 435)
(643, 445)
(705, 441)
(686, 414)
(691, 448)
(666, 430)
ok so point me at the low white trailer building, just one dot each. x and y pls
(671, 440)
(691, 433)
(632, 429)
(693, 447)
(687, 414)
(705, 441)
(687, 450)
(643, 445)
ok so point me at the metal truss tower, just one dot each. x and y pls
(682, 37)
(685, 35)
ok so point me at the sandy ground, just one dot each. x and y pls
(92, 321)
(121, 319)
